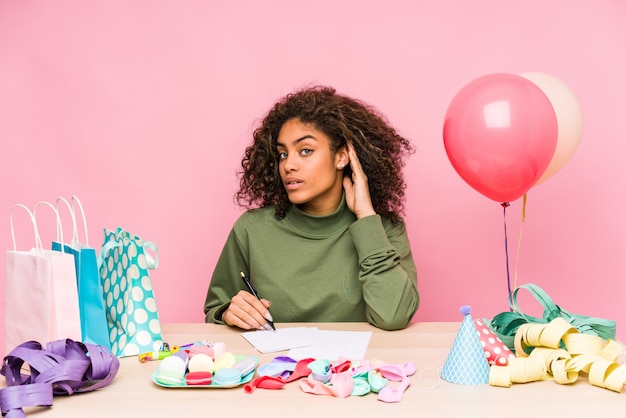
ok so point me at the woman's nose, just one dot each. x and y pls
(289, 164)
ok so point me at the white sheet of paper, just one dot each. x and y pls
(332, 345)
(282, 339)
(305, 342)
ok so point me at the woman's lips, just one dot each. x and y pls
(291, 185)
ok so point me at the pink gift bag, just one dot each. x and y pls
(40, 291)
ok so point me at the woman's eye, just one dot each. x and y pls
(282, 155)
(306, 151)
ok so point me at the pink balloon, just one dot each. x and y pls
(500, 133)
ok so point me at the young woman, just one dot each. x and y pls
(323, 239)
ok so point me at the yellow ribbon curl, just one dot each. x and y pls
(558, 351)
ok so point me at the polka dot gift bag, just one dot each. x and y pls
(132, 316)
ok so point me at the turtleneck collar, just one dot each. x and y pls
(323, 225)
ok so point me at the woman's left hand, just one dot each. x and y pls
(357, 189)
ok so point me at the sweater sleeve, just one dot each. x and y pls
(387, 272)
(225, 281)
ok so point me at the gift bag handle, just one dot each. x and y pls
(34, 222)
(75, 202)
(58, 219)
(75, 242)
(152, 262)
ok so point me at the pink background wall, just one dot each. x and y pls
(143, 110)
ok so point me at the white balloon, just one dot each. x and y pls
(569, 118)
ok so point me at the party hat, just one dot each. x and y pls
(496, 352)
(466, 363)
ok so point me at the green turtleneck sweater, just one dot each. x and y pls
(331, 268)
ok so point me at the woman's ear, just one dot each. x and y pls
(342, 159)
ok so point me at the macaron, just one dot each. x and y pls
(182, 355)
(227, 376)
(201, 349)
(225, 360)
(171, 371)
(199, 378)
(246, 365)
(218, 349)
(200, 363)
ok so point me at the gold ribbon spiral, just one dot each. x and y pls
(558, 351)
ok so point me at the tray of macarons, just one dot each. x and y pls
(204, 369)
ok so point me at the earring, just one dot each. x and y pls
(339, 166)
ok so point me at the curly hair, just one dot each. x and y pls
(380, 149)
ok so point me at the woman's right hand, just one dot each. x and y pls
(357, 190)
(247, 312)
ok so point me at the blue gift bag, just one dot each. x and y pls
(93, 322)
(131, 309)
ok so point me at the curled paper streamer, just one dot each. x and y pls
(557, 350)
